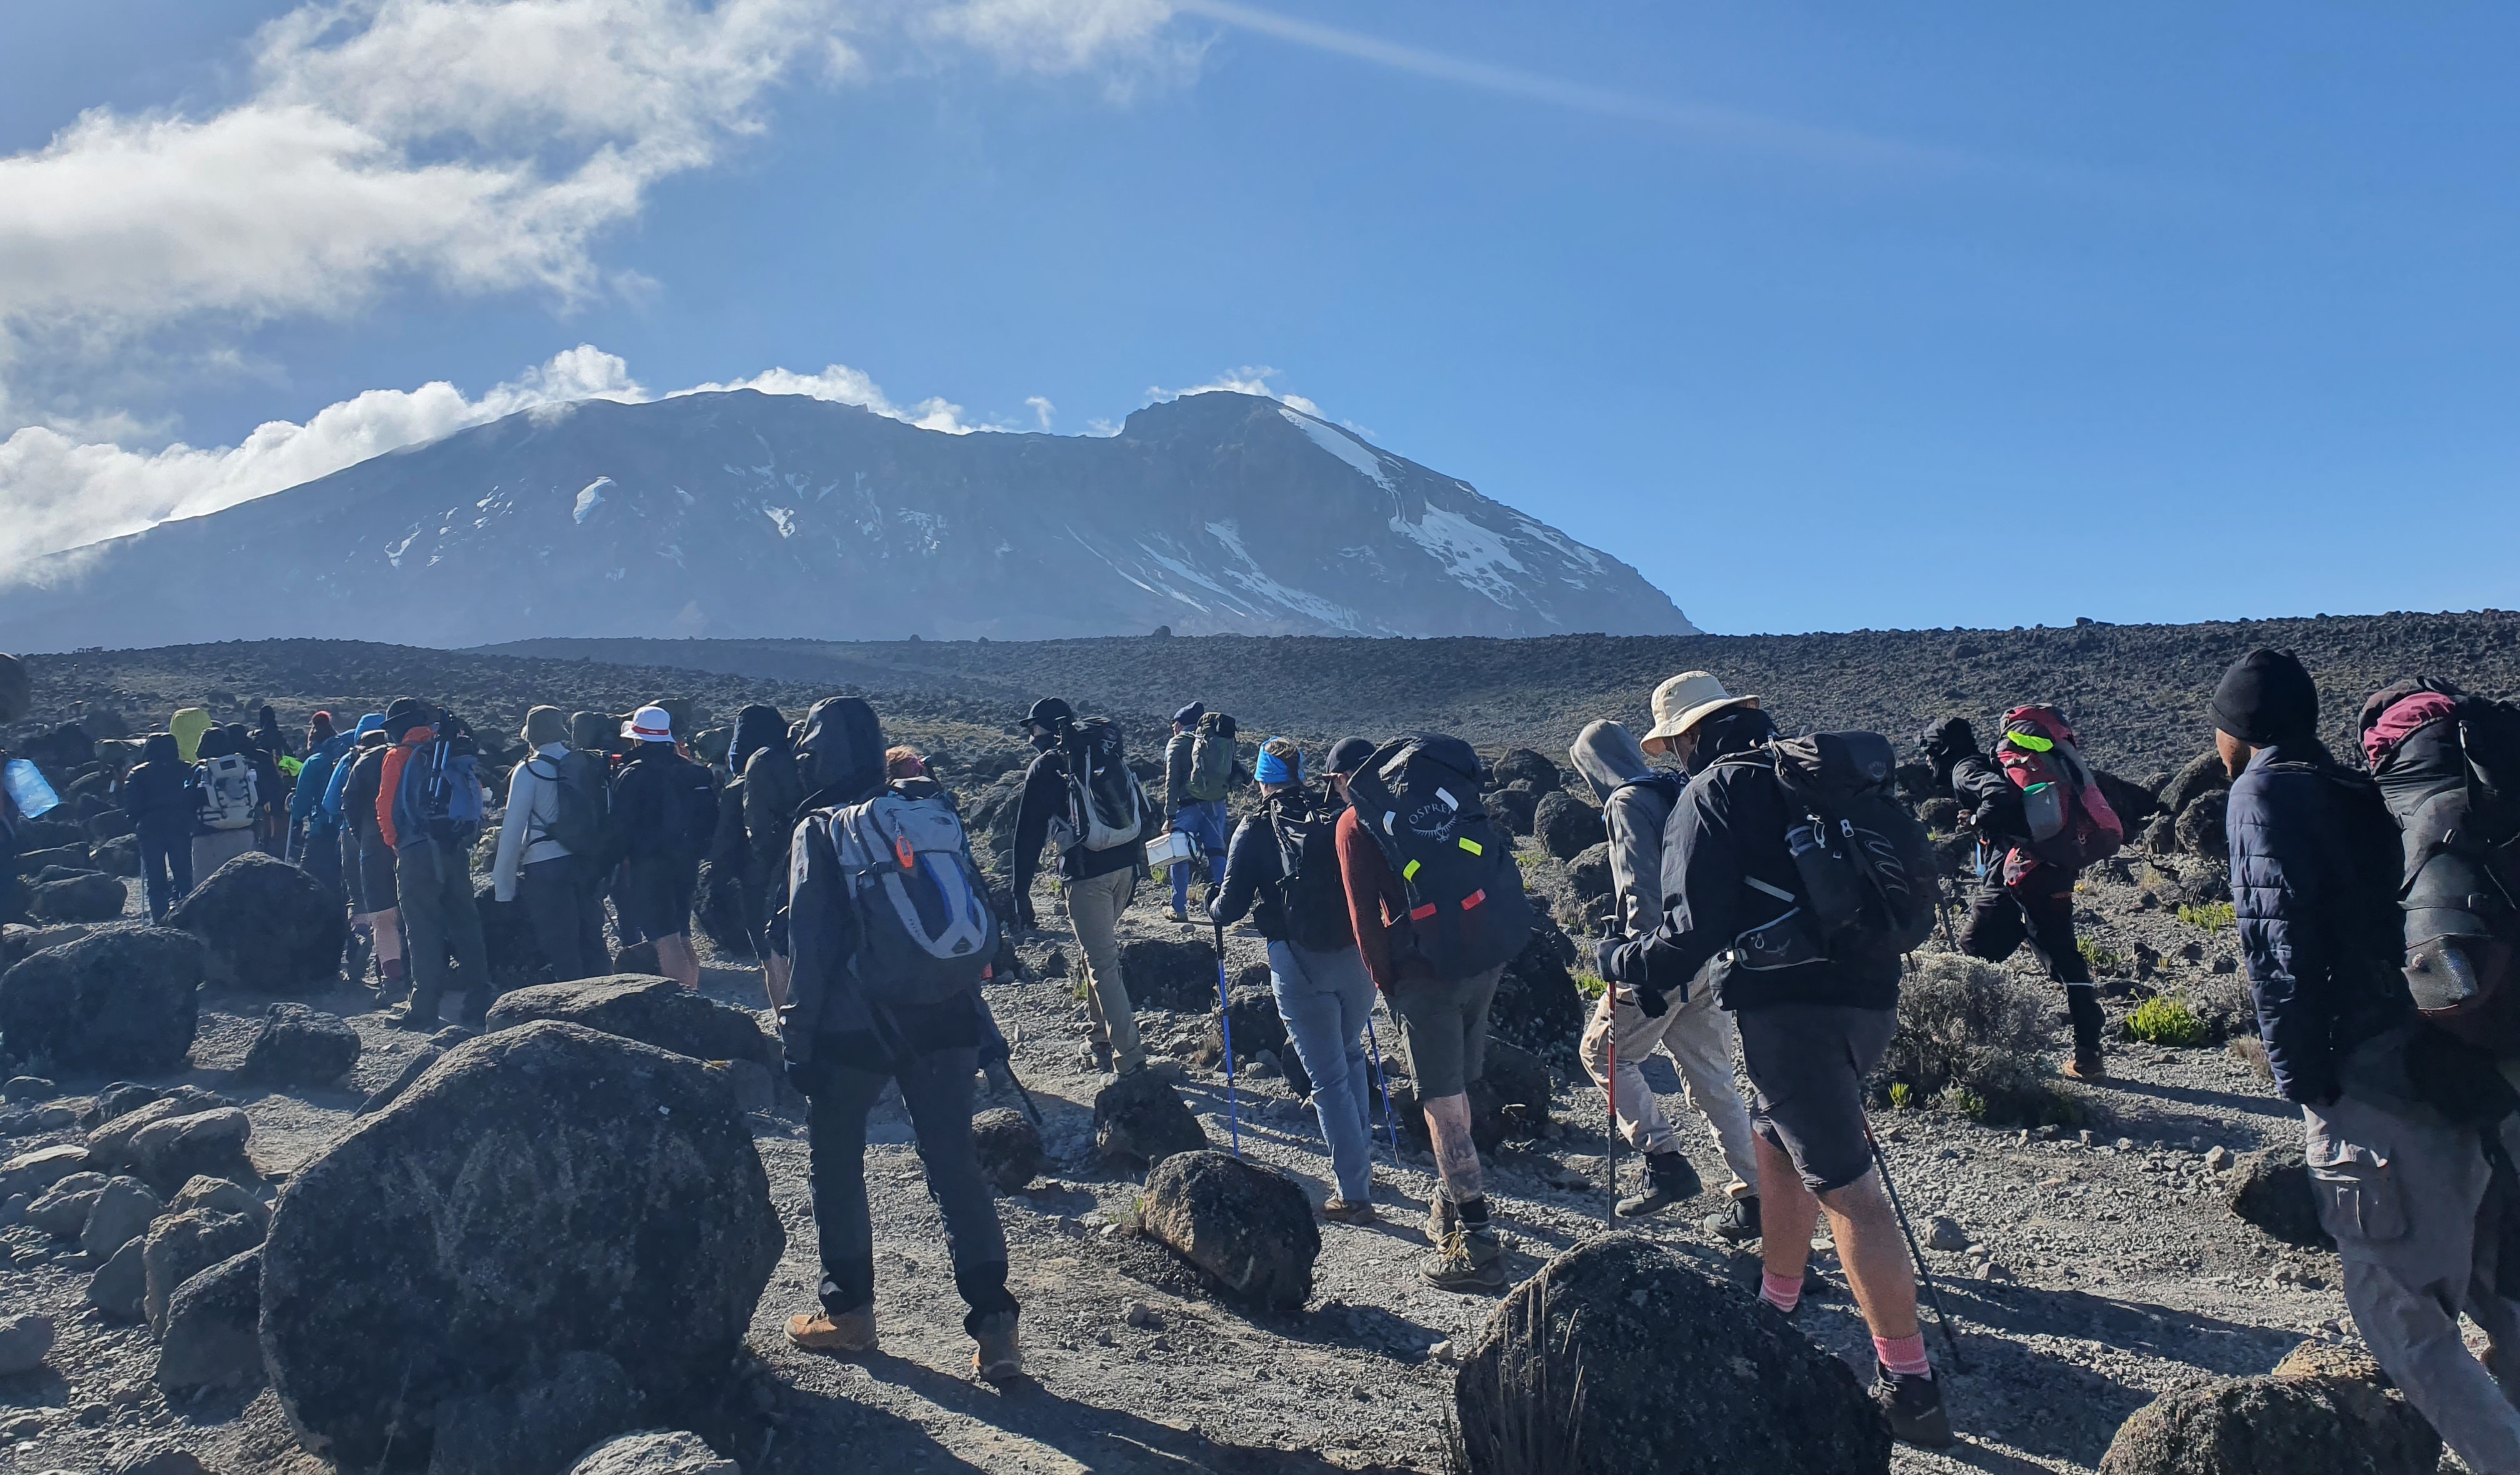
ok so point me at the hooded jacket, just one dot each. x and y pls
(315, 782)
(335, 787)
(756, 727)
(157, 792)
(1635, 800)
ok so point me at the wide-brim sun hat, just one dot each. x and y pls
(650, 725)
(1688, 700)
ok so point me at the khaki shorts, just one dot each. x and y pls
(1444, 1029)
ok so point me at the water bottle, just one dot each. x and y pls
(27, 790)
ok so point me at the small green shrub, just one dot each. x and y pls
(1589, 986)
(2211, 916)
(1902, 1095)
(2165, 1021)
(2100, 959)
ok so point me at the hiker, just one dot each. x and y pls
(270, 787)
(226, 800)
(1080, 793)
(2025, 897)
(774, 796)
(1199, 772)
(429, 812)
(664, 808)
(872, 1000)
(1283, 869)
(157, 794)
(367, 861)
(314, 832)
(556, 795)
(1637, 801)
(1436, 903)
(1810, 1030)
(2404, 1123)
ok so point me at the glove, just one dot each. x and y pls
(1649, 1000)
(1606, 958)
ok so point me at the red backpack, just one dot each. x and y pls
(2070, 821)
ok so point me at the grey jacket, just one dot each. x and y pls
(1608, 758)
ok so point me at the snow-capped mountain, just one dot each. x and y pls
(756, 515)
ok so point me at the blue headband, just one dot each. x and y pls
(1273, 769)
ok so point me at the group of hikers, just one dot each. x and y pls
(1768, 892)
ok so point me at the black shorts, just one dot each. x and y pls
(1807, 1062)
(655, 896)
(370, 875)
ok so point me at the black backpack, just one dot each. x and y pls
(690, 809)
(582, 807)
(1419, 798)
(1867, 888)
(1106, 805)
(2452, 785)
(1312, 894)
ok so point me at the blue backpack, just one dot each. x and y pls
(440, 797)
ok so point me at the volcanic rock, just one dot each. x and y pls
(654, 1451)
(171, 1152)
(2200, 826)
(1566, 825)
(1009, 1148)
(210, 1335)
(123, 1208)
(2274, 1426)
(537, 1425)
(88, 897)
(1247, 1225)
(301, 1047)
(1169, 974)
(181, 1246)
(652, 1010)
(2270, 1190)
(23, 1340)
(1525, 766)
(267, 925)
(1140, 1117)
(118, 1000)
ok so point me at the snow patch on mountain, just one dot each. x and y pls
(1474, 555)
(1356, 453)
(590, 497)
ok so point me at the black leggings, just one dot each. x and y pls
(165, 870)
(2041, 913)
(937, 1090)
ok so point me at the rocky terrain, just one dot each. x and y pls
(2084, 1236)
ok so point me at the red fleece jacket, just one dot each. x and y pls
(1373, 898)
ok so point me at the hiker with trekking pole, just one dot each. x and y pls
(1282, 870)
(1798, 884)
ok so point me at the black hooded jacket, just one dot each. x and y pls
(158, 791)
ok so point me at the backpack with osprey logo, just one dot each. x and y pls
(2070, 821)
(227, 791)
(1312, 894)
(1867, 889)
(1106, 807)
(1211, 759)
(2447, 766)
(927, 933)
(1419, 798)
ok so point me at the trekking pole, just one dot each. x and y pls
(1024, 1096)
(1382, 1079)
(1611, 1091)
(1225, 1026)
(1933, 1293)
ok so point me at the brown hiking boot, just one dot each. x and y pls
(1470, 1260)
(998, 1359)
(1349, 1210)
(1442, 1219)
(849, 1334)
(2086, 1066)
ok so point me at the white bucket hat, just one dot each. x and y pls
(1688, 700)
(650, 725)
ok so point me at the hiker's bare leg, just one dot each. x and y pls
(674, 956)
(388, 927)
(1874, 1254)
(774, 980)
(1787, 1214)
(1457, 1157)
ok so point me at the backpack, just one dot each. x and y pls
(1419, 798)
(2447, 767)
(927, 931)
(581, 806)
(1866, 887)
(1211, 759)
(440, 797)
(689, 821)
(228, 792)
(1106, 807)
(1312, 894)
(2070, 822)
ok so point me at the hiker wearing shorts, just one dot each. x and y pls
(664, 806)
(1811, 1033)
(1636, 800)
(367, 861)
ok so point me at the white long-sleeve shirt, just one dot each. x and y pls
(533, 806)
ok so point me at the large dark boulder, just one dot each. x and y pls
(540, 1424)
(1567, 826)
(545, 1190)
(210, 1335)
(2274, 1426)
(1009, 1148)
(1678, 1374)
(268, 926)
(1250, 1226)
(1513, 808)
(1140, 1118)
(2202, 774)
(1524, 765)
(2270, 1190)
(1166, 974)
(655, 1011)
(2201, 827)
(90, 896)
(1535, 1005)
(1590, 872)
(2134, 803)
(298, 1046)
(123, 1000)
(181, 1246)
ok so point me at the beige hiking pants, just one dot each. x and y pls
(1094, 907)
(1699, 1037)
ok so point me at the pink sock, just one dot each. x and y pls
(1782, 1294)
(1903, 1356)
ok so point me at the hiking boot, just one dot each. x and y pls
(1913, 1405)
(355, 957)
(1442, 1219)
(1099, 1057)
(998, 1359)
(1669, 1179)
(1343, 1210)
(1179, 916)
(849, 1334)
(2086, 1065)
(1739, 1223)
(1471, 1260)
(411, 1013)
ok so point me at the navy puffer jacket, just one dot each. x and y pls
(2314, 863)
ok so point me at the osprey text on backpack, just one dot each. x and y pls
(927, 933)
(1419, 798)
(2447, 766)
(1106, 807)
(1211, 759)
(229, 792)
(1866, 887)
(1312, 896)
(2070, 821)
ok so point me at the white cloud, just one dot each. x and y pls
(1250, 378)
(1042, 409)
(845, 386)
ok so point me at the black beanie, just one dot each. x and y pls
(1050, 712)
(403, 714)
(2267, 697)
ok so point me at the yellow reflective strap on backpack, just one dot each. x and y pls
(2031, 740)
(1473, 846)
(1408, 872)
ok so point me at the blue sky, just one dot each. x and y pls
(1821, 316)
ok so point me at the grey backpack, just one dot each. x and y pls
(928, 931)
